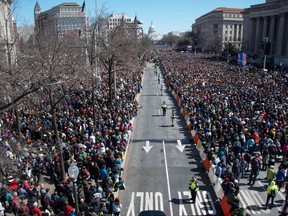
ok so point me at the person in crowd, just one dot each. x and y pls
(270, 174)
(255, 167)
(116, 207)
(271, 194)
(280, 176)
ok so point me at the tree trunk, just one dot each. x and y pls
(56, 133)
(110, 83)
(18, 124)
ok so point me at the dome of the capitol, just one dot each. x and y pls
(152, 29)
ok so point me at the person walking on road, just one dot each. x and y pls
(255, 166)
(172, 117)
(280, 176)
(271, 193)
(193, 187)
(164, 108)
(270, 174)
(283, 212)
(161, 89)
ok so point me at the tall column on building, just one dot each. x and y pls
(265, 26)
(280, 34)
(252, 27)
(257, 35)
(286, 38)
(237, 33)
(241, 32)
(234, 32)
(272, 33)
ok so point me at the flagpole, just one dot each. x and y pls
(86, 34)
(95, 39)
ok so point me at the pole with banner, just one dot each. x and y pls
(244, 60)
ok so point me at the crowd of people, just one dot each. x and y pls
(96, 144)
(239, 114)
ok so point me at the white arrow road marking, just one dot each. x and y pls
(147, 148)
(180, 146)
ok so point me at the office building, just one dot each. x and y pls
(223, 24)
(131, 26)
(61, 19)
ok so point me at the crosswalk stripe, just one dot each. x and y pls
(252, 202)
(249, 201)
(259, 203)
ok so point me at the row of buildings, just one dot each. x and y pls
(246, 29)
(259, 30)
(68, 17)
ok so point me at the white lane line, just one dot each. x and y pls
(168, 182)
(159, 112)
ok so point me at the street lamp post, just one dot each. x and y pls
(73, 172)
(265, 41)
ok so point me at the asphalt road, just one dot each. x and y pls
(161, 160)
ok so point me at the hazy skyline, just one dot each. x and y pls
(166, 15)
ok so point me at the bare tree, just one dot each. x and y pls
(59, 64)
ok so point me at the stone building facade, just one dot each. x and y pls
(266, 26)
(61, 19)
(223, 24)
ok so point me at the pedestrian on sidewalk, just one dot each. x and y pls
(193, 187)
(271, 193)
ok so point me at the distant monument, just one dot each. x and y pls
(152, 34)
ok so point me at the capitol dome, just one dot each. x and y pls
(152, 29)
